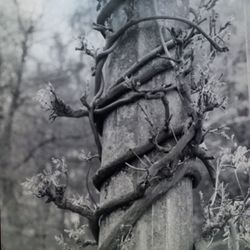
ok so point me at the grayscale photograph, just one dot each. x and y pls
(124, 124)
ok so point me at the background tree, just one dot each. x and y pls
(28, 140)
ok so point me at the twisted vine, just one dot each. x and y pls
(188, 136)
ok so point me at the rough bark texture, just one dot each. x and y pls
(168, 224)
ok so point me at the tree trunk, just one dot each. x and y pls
(168, 223)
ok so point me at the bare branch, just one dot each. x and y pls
(148, 57)
(43, 143)
(50, 101)
(133, 214)
(70, 113)
(175, 152)
(82, 210)
(158, 66)
(124, 200)
(108, 170)
(202, 155)
(121, 31)
(106, 12)
(60, 109)
(112, 39)
(165, 48)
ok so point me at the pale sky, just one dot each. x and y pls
(55, 15)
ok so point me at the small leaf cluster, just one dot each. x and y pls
(49, 101)
(223, 211)
(51, 183)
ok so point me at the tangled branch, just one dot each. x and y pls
(154, 183)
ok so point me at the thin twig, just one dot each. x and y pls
(135, 168)
(164, 46)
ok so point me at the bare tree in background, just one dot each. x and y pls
(15, 81)
(25, 138)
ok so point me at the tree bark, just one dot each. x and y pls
(168, 223)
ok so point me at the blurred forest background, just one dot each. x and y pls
(37, 46)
